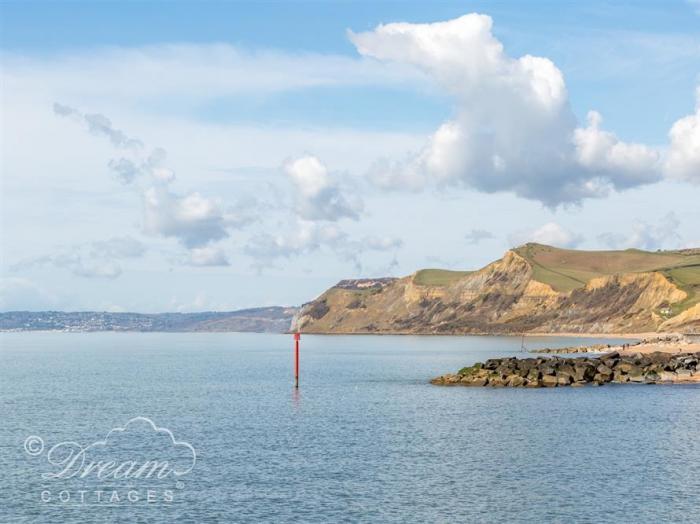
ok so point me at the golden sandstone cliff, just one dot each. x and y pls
(533, 288)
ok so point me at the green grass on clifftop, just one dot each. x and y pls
(568, 269)
(438, 277)
(688, 279)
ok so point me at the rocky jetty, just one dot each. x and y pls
(652, 368)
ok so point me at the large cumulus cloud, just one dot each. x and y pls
(683, 159)
(513, 129)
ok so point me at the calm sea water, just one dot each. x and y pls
(366, 438)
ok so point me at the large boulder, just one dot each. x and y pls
(619, 376)
(625, 366)
(549, 381)
(599, 378)
(516, 381)
(584, 372)
(635, 373)
(533, 374)
(496, 381)
(564, 379)
(604, 370)
(651, 378)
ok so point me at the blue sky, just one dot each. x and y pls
(295, 154)
(572, 34)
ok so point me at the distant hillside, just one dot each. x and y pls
(532, 288)
(259, 320)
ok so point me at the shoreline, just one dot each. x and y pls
(570, 334)
(565, 334)
(659, 343)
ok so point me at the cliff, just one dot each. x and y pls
(533, 288)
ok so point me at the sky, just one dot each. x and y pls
(189, 156)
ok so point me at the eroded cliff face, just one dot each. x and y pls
(503, 297)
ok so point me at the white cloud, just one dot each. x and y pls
(208, 256)
(98, 125)
(319, 196)
(99, 259)
(75, 262)
(306, 237)
(129, 169)
(661, 234)
(602, 153)
(551, 234)
(192, 219)
(185, 71)
(381, 243)
(309, 236)
(354, 251)
(513, 129)
(683, 159)
(477, 235)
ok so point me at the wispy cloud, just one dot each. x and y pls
(195, 71)
(99, 259)
(475, 236)
(644, 235)
(191, 218)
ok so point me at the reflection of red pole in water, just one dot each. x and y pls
(297, 336)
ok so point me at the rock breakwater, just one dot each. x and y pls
(651, 368)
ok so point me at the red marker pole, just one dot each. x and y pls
(297, 336)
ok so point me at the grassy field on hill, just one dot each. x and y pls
(566, 269)
(438, 277)
(688, 279)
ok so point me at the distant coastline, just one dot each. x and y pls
(276, 319)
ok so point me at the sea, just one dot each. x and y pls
(208, 427)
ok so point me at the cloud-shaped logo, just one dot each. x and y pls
(138, 450)
(142, 426)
